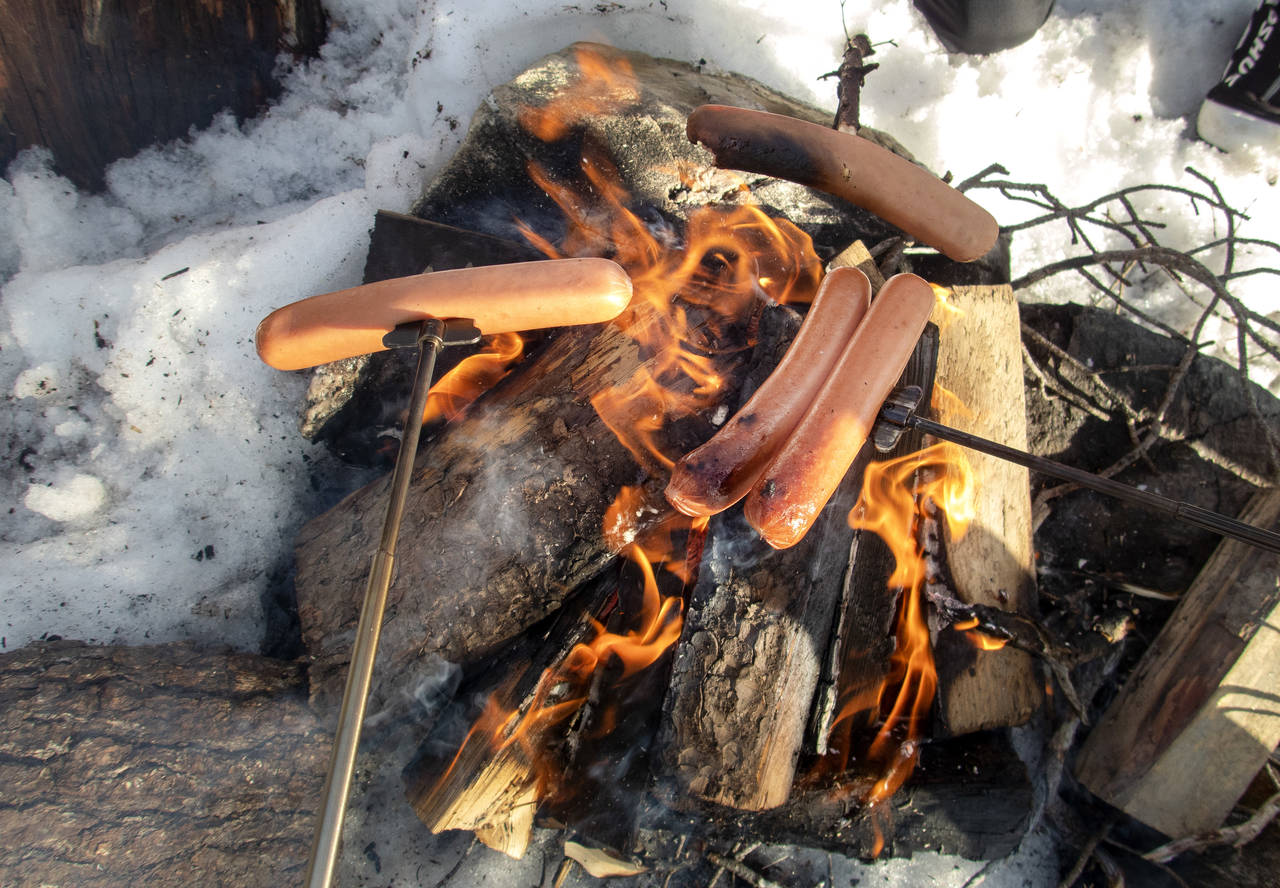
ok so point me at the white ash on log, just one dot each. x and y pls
(1199, 717)
(169, 765)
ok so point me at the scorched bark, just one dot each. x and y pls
(505, 517)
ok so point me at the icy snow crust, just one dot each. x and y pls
(156, 476)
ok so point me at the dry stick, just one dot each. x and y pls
(1172, 259)
(742, 871)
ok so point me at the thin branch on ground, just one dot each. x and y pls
(1120, 215)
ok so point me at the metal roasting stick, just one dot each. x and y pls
(899, 413)
(430, 336)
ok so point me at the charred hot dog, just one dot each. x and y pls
(719, 473)
(807, 469)
(849, 167)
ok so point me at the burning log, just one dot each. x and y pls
(506, 513)
(1198, 718)
(168, 765)
(980, 364)
(755, 644)
(586, 697)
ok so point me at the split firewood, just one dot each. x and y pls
(754, 654)
(169, 765)
(980, 366)
(1198, 717)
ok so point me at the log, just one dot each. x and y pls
(980, 363)
(505, 515)
(1199, 716)
(166, 766)
(755, 650)
(94, 82)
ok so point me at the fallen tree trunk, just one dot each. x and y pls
(98, 81)
(163, 766)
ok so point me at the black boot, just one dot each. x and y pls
(1244, 108)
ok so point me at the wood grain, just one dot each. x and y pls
(1200, 714)
(980, 364)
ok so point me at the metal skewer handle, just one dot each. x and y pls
(430, 336)
(899, 413)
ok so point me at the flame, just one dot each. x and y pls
(603, 84)
(984, 642)
(691, 289)
(891, 505)
(562, 689)
(473, 376)
(945, 312)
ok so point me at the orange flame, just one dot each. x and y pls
(562, 689)
(473, 376)
(984, 642)
(689, 289)
(603, 84)
(892, 503)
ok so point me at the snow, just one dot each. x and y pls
(157, 476)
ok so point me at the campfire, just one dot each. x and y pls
(619, 641)
(681, 658)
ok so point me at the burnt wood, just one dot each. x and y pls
(169, 765)
(505, 516)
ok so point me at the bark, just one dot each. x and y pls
(162, 766)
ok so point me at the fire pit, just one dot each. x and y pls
(538, 541)
(578, 676)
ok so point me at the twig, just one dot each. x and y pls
(742, 871)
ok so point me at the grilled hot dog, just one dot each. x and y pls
(499, 298)
(807, 469)
(719, 473)
(849, 167)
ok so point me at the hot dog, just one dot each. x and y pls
(499, 298)
(807, 469)
(719, 473)
(849, 167)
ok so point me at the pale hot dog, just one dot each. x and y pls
(499, 298)
(807, 469)
(719, 473)
(849, 167)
